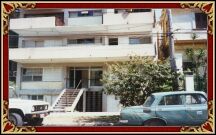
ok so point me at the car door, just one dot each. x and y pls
(196, 109)
(171, 109)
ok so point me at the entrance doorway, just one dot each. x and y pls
(78, 78)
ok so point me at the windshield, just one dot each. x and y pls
(149, 101)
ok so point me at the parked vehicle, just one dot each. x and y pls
(179, 108)
(22, 111)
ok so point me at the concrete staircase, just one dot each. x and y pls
(67, 100)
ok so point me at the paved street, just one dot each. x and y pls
(82, 119)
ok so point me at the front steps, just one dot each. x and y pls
(67, 100)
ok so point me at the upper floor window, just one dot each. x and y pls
(32, 74)
(140, 40)
(32, 44)
(141, 10)
(201, 20)
(85, 13)
(113, 41)
(131, 10)
(81, 41)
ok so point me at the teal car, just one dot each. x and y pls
(179, 108)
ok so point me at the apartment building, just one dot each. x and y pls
(189, 27)
(62, 53)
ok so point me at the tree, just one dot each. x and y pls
(134, 80)
(199, 65)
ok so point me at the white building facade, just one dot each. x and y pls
(68, 48)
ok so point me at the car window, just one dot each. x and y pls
(172, 100)
(149, 101)
(195, 99)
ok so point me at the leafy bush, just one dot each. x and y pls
(134, 80)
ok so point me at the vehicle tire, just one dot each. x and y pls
(35, 122)
(154, 122)
(16, 119)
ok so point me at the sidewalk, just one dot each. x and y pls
(82, 119)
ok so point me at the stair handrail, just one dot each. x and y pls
(57, 99)
(78, 84)
(73, 93)
(73, 106)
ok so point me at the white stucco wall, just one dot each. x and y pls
(113, 104)
(184, 23)
(37, 22)
(42, 85)
(128, 18)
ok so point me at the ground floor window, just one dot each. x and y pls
(96, 76)
(36, 97)
(32, 74)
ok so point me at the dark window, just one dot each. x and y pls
(113, 41)
(36, 97)
(81, 41)
(96, 77)
(131, 10)
(85, 13)
(172, 100)
(201, 20)
(141, 10)
(187, 66)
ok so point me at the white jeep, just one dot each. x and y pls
(22, 111)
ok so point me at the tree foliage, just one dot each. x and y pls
(134, 80)
(199, 64)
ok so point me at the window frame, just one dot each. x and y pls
(30, 97)
(141, 40)
(113, 42)
(32, 75)
(80, 41)
(198, 23)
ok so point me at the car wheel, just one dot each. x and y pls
(35, 122)
(16, 119)
(154, 123)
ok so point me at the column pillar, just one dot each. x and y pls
(189, 82)
(18, 78)
(84, 101)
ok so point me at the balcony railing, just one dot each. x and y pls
(37, 22)
(85, 53)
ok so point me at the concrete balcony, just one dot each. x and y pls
(128, 18)
(92, 20)
(37, 22)
(187, 34)
(87, 53)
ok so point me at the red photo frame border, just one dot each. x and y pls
(9, 7)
